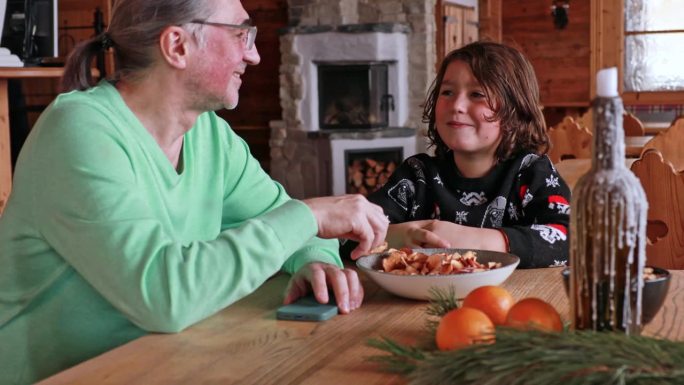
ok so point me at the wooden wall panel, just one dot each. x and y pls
(607, 38)
(76, 20)
(561, 57)
(490, 19)
(260, 92)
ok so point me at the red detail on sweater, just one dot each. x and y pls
(558, 199)
(523, 190)
(560, 228)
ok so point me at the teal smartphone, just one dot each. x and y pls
(307, 309)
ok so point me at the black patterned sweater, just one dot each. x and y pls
(524, 196)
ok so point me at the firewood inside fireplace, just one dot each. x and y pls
(367, 175)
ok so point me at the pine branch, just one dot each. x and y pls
(539, 358)
(402, 358)
(441, 302)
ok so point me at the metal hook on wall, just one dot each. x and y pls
(559, 12)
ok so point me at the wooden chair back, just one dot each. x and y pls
(664, 189)
(632, 125)
(587, 120)
(569, 140)
(670, 143)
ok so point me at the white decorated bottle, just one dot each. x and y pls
(607, 226)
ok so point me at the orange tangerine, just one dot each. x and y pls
(535, 313)
(463, 327)
(495, 301)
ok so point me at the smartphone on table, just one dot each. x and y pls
(307, 309)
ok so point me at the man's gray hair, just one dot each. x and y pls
(133, 33)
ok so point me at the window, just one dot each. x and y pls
(654, 46)
(645, 40)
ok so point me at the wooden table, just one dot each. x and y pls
(572, 169)
(654, 128)
(7, 73)
(244, 344)
(634, 145)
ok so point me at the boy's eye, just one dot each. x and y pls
(446, 92)
(477, 94)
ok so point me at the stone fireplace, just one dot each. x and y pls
(350, 94)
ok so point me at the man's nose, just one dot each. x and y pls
(251, 56)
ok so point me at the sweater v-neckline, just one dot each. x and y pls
(152, 148)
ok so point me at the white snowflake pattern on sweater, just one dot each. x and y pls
(473, 198)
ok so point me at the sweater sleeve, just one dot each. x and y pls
(394, 208)
(247, 180)
(541, 236)
(114, 235)
(403, 194)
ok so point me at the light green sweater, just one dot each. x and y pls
(103, 240)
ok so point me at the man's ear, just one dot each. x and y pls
(174, 45)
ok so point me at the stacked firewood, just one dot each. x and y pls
(367, 175)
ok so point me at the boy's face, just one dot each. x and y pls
(461, 114)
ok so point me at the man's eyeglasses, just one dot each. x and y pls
(248, 38)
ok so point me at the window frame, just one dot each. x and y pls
(608, 26)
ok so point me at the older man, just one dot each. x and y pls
(136, 209)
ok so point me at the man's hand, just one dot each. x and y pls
(351, 217)
(318, 276)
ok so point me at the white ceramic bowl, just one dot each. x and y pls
(418, 286)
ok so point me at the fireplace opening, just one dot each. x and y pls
(368, 170)
(353, 95)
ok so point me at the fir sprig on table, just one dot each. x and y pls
(533, 357)
(540, 358)
(441, 302)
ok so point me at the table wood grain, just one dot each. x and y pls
(244, 344)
